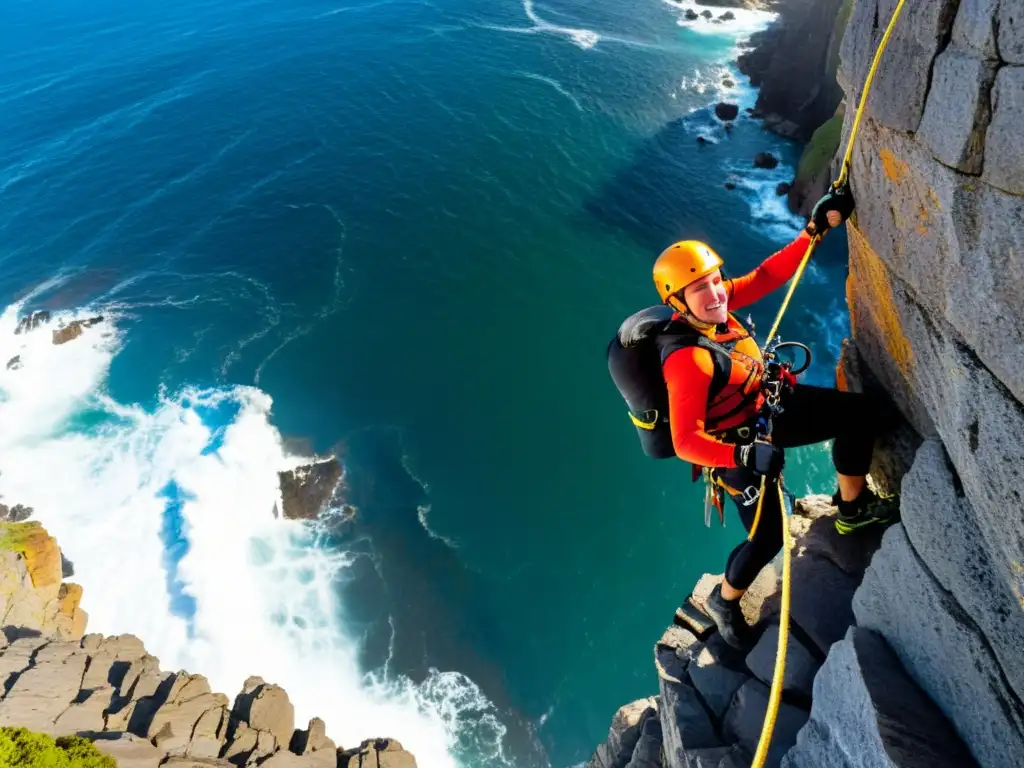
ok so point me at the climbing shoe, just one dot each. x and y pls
(729, 619)
(866, 510)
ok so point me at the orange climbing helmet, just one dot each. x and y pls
(682, 263)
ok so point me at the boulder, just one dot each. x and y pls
(307, 490)
(685, 724)
(942, 650)
(325, 758)
(706, 14)
(312, 739)
(1011, 33)
(1004, 167)
(266, 707)
(192, 720)
(867, 712)
(765, 160)
(757, 603)
(191, 761)
(745, 719)
(626, 727)
(951, 546)
(901, 81)
(16, 658)
(691, 15)
(647, 752)
(813, 527)
(801, 664)
(110, 659)
(376, 753)
(717, 673)
(674, 651)
(782, 188)
(32, 321)
(974, 28)
(14, 363)
(727, 16)
(957, 112)
(74, 329)
(41, 693)
(824, 611)
(85, 715)
(726, 111)
(730, 185)
(247, 746)
(129, 750)
(728, 83)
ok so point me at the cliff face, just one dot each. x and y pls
(916, 659)
(111, 690)
(936, 293)
(794, 63)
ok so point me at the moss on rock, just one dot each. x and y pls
(820, 149)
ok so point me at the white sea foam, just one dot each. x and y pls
(745, 23)
(245, 593)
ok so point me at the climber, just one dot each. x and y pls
(715, 396)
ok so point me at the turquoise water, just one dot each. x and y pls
(414, 226)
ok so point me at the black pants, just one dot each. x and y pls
(811, 415)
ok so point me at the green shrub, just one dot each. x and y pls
(21, 748)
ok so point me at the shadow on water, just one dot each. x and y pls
(416, 603)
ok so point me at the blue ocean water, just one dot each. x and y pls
(402, 232)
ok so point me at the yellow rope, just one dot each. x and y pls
(780, 658)
(780, 655)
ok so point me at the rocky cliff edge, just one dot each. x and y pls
(110, 690)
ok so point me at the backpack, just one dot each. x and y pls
(635, 357)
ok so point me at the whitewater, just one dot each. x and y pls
(168, 516)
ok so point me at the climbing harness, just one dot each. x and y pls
(787, 541)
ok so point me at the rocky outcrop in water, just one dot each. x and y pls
(920, 635)
(74, 329)
(308, 491)
(111, 690)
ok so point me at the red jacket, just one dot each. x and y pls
(688, 371)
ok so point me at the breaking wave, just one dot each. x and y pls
(166, 512)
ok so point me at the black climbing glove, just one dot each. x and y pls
(761, 458)
(840, 200)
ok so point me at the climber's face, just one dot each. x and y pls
(707, 299)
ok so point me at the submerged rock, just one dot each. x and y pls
(32, 321)
(726, 111)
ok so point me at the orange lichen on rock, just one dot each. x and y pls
(895, 169)
(40, 550)
(875, 305)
